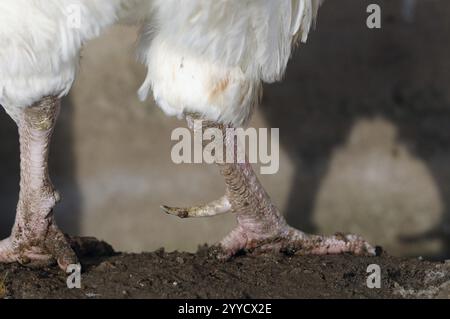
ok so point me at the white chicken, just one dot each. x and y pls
(206, 59)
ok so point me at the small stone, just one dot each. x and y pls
(180, 260)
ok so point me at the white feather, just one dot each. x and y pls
(203, 56)
(210, 57)
(40, 45)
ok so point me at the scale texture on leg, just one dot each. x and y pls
(35, 238)
(261, 227)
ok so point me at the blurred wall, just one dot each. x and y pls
(365, 146)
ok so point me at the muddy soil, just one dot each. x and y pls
(159, 274)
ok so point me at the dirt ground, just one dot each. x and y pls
(158, 274)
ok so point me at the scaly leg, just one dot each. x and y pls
(261, 227)
(35, 239)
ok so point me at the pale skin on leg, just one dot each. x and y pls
(261, 227)
(35, 239)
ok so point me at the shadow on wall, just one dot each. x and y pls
(347, 72)
(62, 172)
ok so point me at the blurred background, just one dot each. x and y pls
(364, 118)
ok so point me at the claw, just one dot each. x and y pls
(54, 248)
(261, 227)
(176, 211)
(217, 207)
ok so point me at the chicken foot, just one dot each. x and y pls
(35, 239)
(261, 227)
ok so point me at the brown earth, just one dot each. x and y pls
(185, 275)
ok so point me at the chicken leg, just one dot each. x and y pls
(261, 227)
(35, 239)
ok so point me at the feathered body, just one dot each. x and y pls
(40, 45)
(210, 57)
(203, 56)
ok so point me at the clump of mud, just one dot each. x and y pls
(159, 274)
